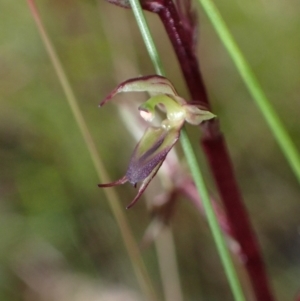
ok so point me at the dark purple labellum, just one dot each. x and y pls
(150, 152)
(140, 168)
(147, 158)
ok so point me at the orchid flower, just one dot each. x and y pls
(157, 141)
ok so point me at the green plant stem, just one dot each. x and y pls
(285, 142)
(193, 164)
(211, 217)
(148, 40)
(128, 238)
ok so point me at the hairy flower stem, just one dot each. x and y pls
(216, 152)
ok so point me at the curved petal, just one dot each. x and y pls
(194, 115)
(153, 84)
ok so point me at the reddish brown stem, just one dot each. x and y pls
(216, 152)
(182, 47)
(221, 167)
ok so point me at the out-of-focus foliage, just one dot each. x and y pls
(55, 223)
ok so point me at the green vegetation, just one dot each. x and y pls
(55, 221)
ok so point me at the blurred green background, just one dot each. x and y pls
(58, 237)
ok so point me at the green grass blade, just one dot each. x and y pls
(193, 164)
(285, 142)
(211, 218)
(148, 40)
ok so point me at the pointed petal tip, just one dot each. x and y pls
(139, 194)
(131, 204)
(101, 104)
(106, 185)
(104, 101)
(115, 183)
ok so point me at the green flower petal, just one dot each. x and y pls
(153, 84)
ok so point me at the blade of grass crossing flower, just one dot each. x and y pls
(284, 140)
(129, 241)
(193, 164)
(165, 245)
